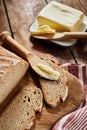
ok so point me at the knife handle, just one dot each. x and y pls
(17, 47)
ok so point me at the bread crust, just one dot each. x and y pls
(12, 70)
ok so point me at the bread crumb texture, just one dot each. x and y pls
(20, 113)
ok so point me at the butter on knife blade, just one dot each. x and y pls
(44, 29)
(46, 71)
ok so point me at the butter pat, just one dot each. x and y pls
(44, 29)
(60, 17)
(46, 71)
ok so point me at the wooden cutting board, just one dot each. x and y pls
(49, 116)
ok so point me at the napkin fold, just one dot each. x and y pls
(76, 120)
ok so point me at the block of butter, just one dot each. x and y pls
(60, 17)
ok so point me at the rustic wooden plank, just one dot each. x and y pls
(3, 19)
(79, 48)
(21, 14)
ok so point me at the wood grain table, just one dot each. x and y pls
(17, 15)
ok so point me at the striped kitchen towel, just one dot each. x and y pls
(76, 120)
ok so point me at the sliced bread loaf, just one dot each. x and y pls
(54, 91)
(12, 69)
(20, 113)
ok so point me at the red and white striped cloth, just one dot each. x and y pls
(76, 120)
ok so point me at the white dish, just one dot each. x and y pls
(68, 43)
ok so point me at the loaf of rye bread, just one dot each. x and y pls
(54, 91)
(20, 112)
(12, 69)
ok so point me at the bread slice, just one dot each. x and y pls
(54, 91)
(50, 59)
(34, 96)
(20, 113)
(12, 69)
